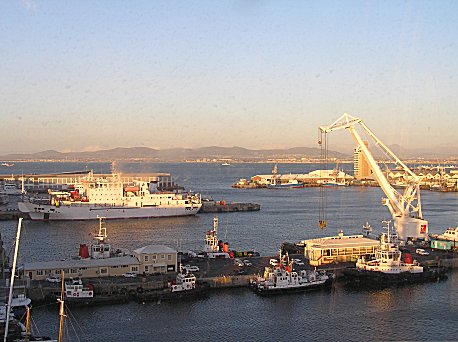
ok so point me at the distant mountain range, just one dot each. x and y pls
(177, 154)
(218, 153)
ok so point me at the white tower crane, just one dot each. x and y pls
(406, 207)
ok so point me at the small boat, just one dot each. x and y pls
(386, 267)
(7, 164)
(76, 291)
(183, 287)
(185, 281)
(278, 279)
(290, 184)
(335, 182)
(225, 164)
(77, 294)
(451, 234)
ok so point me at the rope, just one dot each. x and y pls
(323, 142)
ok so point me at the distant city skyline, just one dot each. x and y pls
(85, 76)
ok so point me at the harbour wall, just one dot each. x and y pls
(12, 214)
(222, 207)
(450, 263)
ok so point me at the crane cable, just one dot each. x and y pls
(323, 142)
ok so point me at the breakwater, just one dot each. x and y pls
(224, 207)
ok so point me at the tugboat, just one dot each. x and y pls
(185, 281)
(76, 292)
(183, 287)
(386, 268)
(279, 279)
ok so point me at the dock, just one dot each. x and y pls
(11, 214)
(225, 207)
(213, 274)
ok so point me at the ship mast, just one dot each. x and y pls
(13, 273)
(61, 309)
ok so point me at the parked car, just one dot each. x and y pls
(52, 279)
(238, 262)
(421, 251)
(247, 263)
(190, 268)
(129, 275)
(273, 262)
(298, 262)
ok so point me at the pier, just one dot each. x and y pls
(213, 274)
(11, 214)
(224, 207)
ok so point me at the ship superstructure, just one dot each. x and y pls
(110, 197)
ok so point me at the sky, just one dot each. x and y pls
(88, 75)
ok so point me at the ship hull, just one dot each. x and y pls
(358, 277)
(39, 212)
(285, 186)
(271, 291)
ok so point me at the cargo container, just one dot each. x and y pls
(442, 245)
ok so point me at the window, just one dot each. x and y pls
(134, 268)
(169, 257)
(146, 258)
(39, 272)
(103, 270)
(162, 256)
(146, 268)
(73, 270)
(154, 257)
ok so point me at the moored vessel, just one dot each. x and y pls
(282, 279)
(450, 234)
(111, 198)
(290, 184)
(386, 266)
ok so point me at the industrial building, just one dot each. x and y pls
(339, 248)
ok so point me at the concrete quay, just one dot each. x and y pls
(213, 274)
(225, 207)
(11, 214)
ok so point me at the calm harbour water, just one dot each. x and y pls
(424, 312)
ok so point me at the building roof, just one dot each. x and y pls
(155, 249)
(348, 241)
(79, 263)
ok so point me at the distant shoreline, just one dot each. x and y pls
(230, 162)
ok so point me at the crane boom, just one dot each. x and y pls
(405, 208)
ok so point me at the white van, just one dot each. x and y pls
(273, 262)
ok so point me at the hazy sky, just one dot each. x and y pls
(85, 75)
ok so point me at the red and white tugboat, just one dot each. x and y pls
(386, 266)
(279, 279)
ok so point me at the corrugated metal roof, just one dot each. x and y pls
(345, 242)
(79, 263)
(155, 249)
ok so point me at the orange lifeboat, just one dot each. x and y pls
(131, 189)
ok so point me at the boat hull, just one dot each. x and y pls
(313, 286)
(285, 186)
(201, 291)
(39, 212)
(363, 278)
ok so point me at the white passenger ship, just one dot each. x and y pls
(111, 198)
